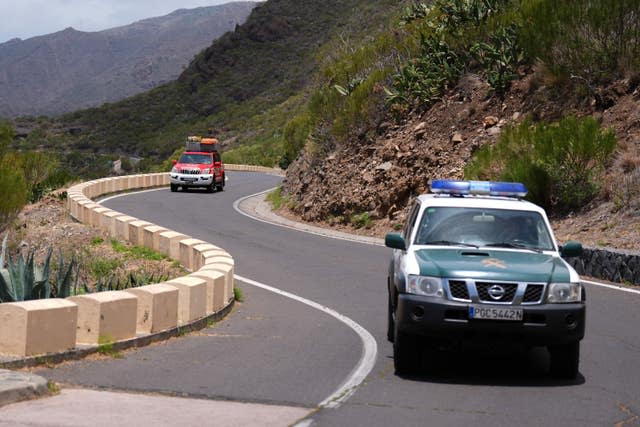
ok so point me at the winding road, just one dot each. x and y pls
(313, 325)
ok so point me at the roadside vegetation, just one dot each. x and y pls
(25, 176)
(575, 48)
(305, 78)
(97, 267)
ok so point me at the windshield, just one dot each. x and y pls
(195, 159)
(483, 227)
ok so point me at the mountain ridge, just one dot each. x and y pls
(71, 69)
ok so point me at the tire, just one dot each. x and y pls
(220, 187)
(406, 352)
(174, 188)
(565, 360)
(390, 321)
(210, 188)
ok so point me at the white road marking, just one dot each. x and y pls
(614, 287)
(115, 196)
(331, 235)
(369, 346)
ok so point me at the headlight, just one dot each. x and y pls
(564, 292)
(428, 286)
(174, 170)
(206, 171)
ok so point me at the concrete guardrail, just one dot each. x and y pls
(47, 326)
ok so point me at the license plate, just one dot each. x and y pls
(495, 313)
(189, 179)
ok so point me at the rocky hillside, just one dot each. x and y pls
(377, 177)
(70, 69)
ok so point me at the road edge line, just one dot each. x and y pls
(369, 346)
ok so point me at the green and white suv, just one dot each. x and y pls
(476, 263)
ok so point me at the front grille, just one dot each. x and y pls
(533, 293)
(459, 289)
(479, 292)
(485, 288)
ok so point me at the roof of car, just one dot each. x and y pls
(472, 201)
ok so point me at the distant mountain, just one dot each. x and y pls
(70, 69)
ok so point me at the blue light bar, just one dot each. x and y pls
(488, 188)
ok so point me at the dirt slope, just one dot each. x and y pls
(380, 176)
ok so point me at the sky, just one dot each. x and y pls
(30, 18)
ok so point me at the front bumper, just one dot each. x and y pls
(542, 325)
(191, 180)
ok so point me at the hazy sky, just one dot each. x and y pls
(29, 18)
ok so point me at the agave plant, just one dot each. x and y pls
(24, 280)
(131, 280)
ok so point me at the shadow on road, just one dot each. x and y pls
(493, 367)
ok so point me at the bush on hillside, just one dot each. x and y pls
(559, 163)
(592, 39)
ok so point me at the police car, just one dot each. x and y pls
(477, 264)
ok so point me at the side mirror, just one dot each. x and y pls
(173, 162)
(395, 241)
(571, 249)
(217, 164)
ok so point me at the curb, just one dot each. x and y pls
(81, 353)
(18, 386)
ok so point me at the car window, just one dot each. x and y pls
(411, 219)
(484, 227)
(195, 158)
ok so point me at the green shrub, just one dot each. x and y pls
(590, 39)
(559, 163)
(276, 198)
(362, 220)
(499, 57)
(13, 189)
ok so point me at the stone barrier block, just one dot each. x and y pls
(97, 215)
(151, 237)
(227, 270)
(192, 298)
(86, 212)
(106, 317)
(136, 232)
(215, 288)
(120, 183)
(109, 222)
(186, 252)
(37, 327)
(157, 307)
(198, 250)
(165, 179)
(122, 226)
(169, 242)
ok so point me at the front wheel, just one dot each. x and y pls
(391, 324)
(174, 188)
(220, 187)
(565, 360)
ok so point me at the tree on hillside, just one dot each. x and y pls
(13, 187)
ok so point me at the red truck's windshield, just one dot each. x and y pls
(195, 159)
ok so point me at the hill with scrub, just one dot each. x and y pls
(369, 101)
(245, 86)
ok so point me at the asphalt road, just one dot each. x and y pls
(275, 350)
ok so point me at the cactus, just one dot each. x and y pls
(24, 280)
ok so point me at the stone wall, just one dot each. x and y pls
(608, 264)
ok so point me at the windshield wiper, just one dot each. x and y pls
(449, 243)
(512, 245)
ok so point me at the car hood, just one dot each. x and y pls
(480, 264)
